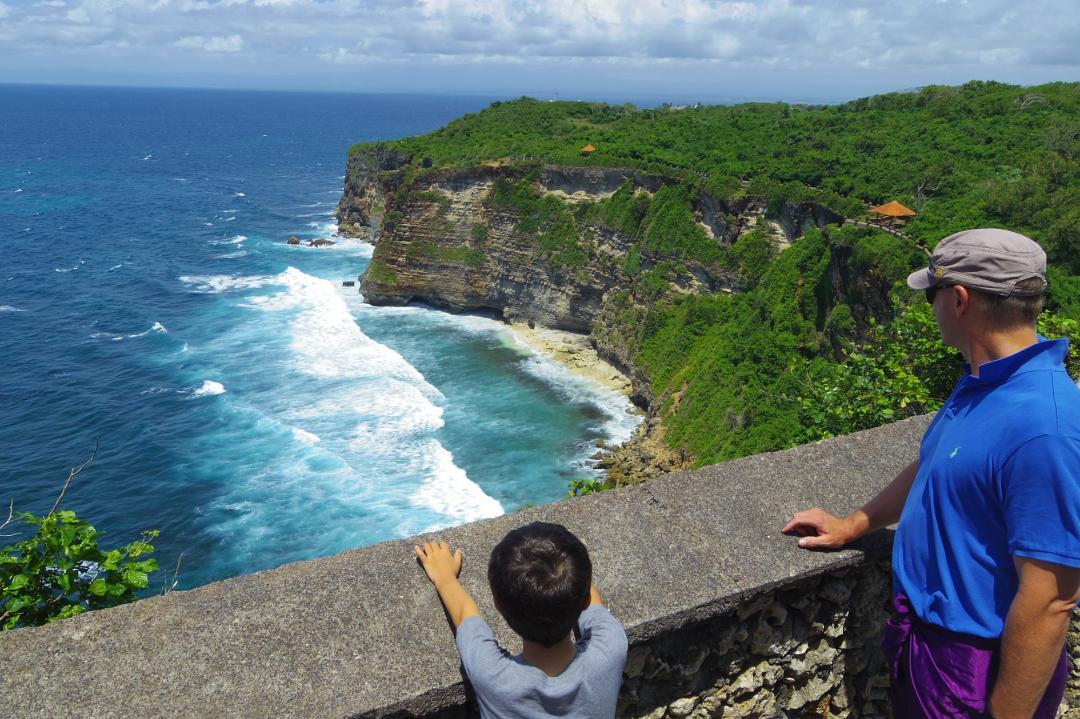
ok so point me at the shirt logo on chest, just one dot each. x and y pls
(955, 452)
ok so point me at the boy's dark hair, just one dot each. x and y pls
(540, 577)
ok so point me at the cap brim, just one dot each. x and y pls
(920, 280)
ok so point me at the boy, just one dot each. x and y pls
(541, 581)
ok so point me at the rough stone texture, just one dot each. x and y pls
(794, 651)
(369, 176)
(726, 617)
(444, 242)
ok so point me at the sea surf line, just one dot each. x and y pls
(249, 406)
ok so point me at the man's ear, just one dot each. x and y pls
(961, 299)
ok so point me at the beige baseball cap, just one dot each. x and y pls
(990, 260)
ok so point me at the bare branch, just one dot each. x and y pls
(75, 473)
(176, 574)
(10, 516)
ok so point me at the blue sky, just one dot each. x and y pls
(796, 50)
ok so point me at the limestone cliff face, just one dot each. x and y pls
(446, 242)
(370, 175)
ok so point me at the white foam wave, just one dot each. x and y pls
(18, 189)
(619, 421)
(148, 157)
(69, 269)
(208, 388)
(326, 341)
(325, 228)
(230, 255)
(239, 194)
(115, 267)
(397, 405)
(304, 436)
(10, 308)
(450, 492)
(234, 240)
(217, 284)
(156, 328)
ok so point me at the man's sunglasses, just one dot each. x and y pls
(931, 292)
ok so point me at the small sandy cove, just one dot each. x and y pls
(573, 351)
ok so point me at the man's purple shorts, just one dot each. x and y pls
(936, 673)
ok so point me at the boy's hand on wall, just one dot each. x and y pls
(439, 563)
(442, 567)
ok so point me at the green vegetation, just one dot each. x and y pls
(977, 155)
(59, 571)
(459, 254)
(584, 486)
(822, 338)
(379, 272)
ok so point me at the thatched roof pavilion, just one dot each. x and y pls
(893, 209)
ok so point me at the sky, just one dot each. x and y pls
(616, 50)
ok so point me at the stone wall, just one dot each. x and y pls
(726, 616)
(809, 649)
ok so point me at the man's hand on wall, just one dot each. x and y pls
(820, 530)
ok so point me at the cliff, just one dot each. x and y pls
(583, 249)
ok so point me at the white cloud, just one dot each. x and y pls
(886, 37)
(214, 43)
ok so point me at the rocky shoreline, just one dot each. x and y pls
(575, 352)
(645, 454)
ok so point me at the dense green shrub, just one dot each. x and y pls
(60, 571)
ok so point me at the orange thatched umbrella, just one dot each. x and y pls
(893, 212)
(588, 149)
(893, 209)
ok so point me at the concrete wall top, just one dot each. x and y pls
(362, 632)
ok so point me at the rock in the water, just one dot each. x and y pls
(294, 240)
(321, 242)
(348, 283)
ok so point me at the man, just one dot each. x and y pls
(986, 558)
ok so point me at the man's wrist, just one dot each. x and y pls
(858, 524)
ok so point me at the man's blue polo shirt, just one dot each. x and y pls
(999, 475)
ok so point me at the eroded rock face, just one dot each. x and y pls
(369, 176)
(449, 246)
(797, 220)
(593, 183)
(445, 242)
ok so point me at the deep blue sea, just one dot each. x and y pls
(248, 405)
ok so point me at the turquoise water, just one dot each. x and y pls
(248, 405)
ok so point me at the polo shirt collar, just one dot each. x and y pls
(1044, 354)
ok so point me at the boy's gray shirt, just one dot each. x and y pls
(508, 687)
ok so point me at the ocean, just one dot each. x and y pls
(247, 404)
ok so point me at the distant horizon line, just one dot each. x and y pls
(552, 96)
(644, 100)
